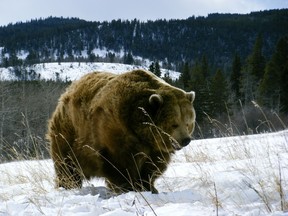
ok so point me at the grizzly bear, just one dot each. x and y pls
(122, 127)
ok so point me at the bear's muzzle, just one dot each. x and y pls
(180, 145)
(185, 142)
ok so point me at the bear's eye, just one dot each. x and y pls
(175, 126)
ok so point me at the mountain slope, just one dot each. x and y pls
(218, 36)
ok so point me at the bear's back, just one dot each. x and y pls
(83, 90)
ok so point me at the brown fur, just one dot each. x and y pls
(121, 127)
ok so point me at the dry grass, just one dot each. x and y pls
(255, 162)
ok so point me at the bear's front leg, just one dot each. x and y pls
(122, 180)
(125, 184)
(67, 174)
(154, 167)
(148, 177)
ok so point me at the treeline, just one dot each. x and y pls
(25, 107)
(254, 91)
(218, 36)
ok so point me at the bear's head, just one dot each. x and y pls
(172, 119)
(164, 119)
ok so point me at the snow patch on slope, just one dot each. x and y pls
(73, 71)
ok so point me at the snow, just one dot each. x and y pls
(22, 54)
(74, 70)
(241, 175)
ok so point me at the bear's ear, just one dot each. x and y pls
(190, 96)
(156, 100)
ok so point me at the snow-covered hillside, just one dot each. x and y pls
(246, 175)
(73, 71)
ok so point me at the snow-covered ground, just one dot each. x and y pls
(72, 71)
(245, 175)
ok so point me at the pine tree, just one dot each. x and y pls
(252, 72)
(168, 79)
(269, 88)
(157, 70)
(204, 66)
(32, 58)
(200, 84)
(152, 67)
(235, 76)
(219, 94)
(257, 60)
(128, 58)
(185, 77)
(274, 85)
(283, 61)
(92, 57)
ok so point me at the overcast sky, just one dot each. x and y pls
(12, 11)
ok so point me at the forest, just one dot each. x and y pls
(254, 81)
(217, 36)
(236, 64)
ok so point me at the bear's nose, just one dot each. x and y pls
(186, 141)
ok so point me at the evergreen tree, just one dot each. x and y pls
(185, 77)
(32, 58)
(252, 72)
(257, 60)
(128, 59)
(111, 57)
(157, 70)
(219, 94)
(152, 67)
(283, 60)
(274, 85)
(168, 79)
(247, 85)
(204, 66)
(92, 57)
(235, 76)
(200, 84)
